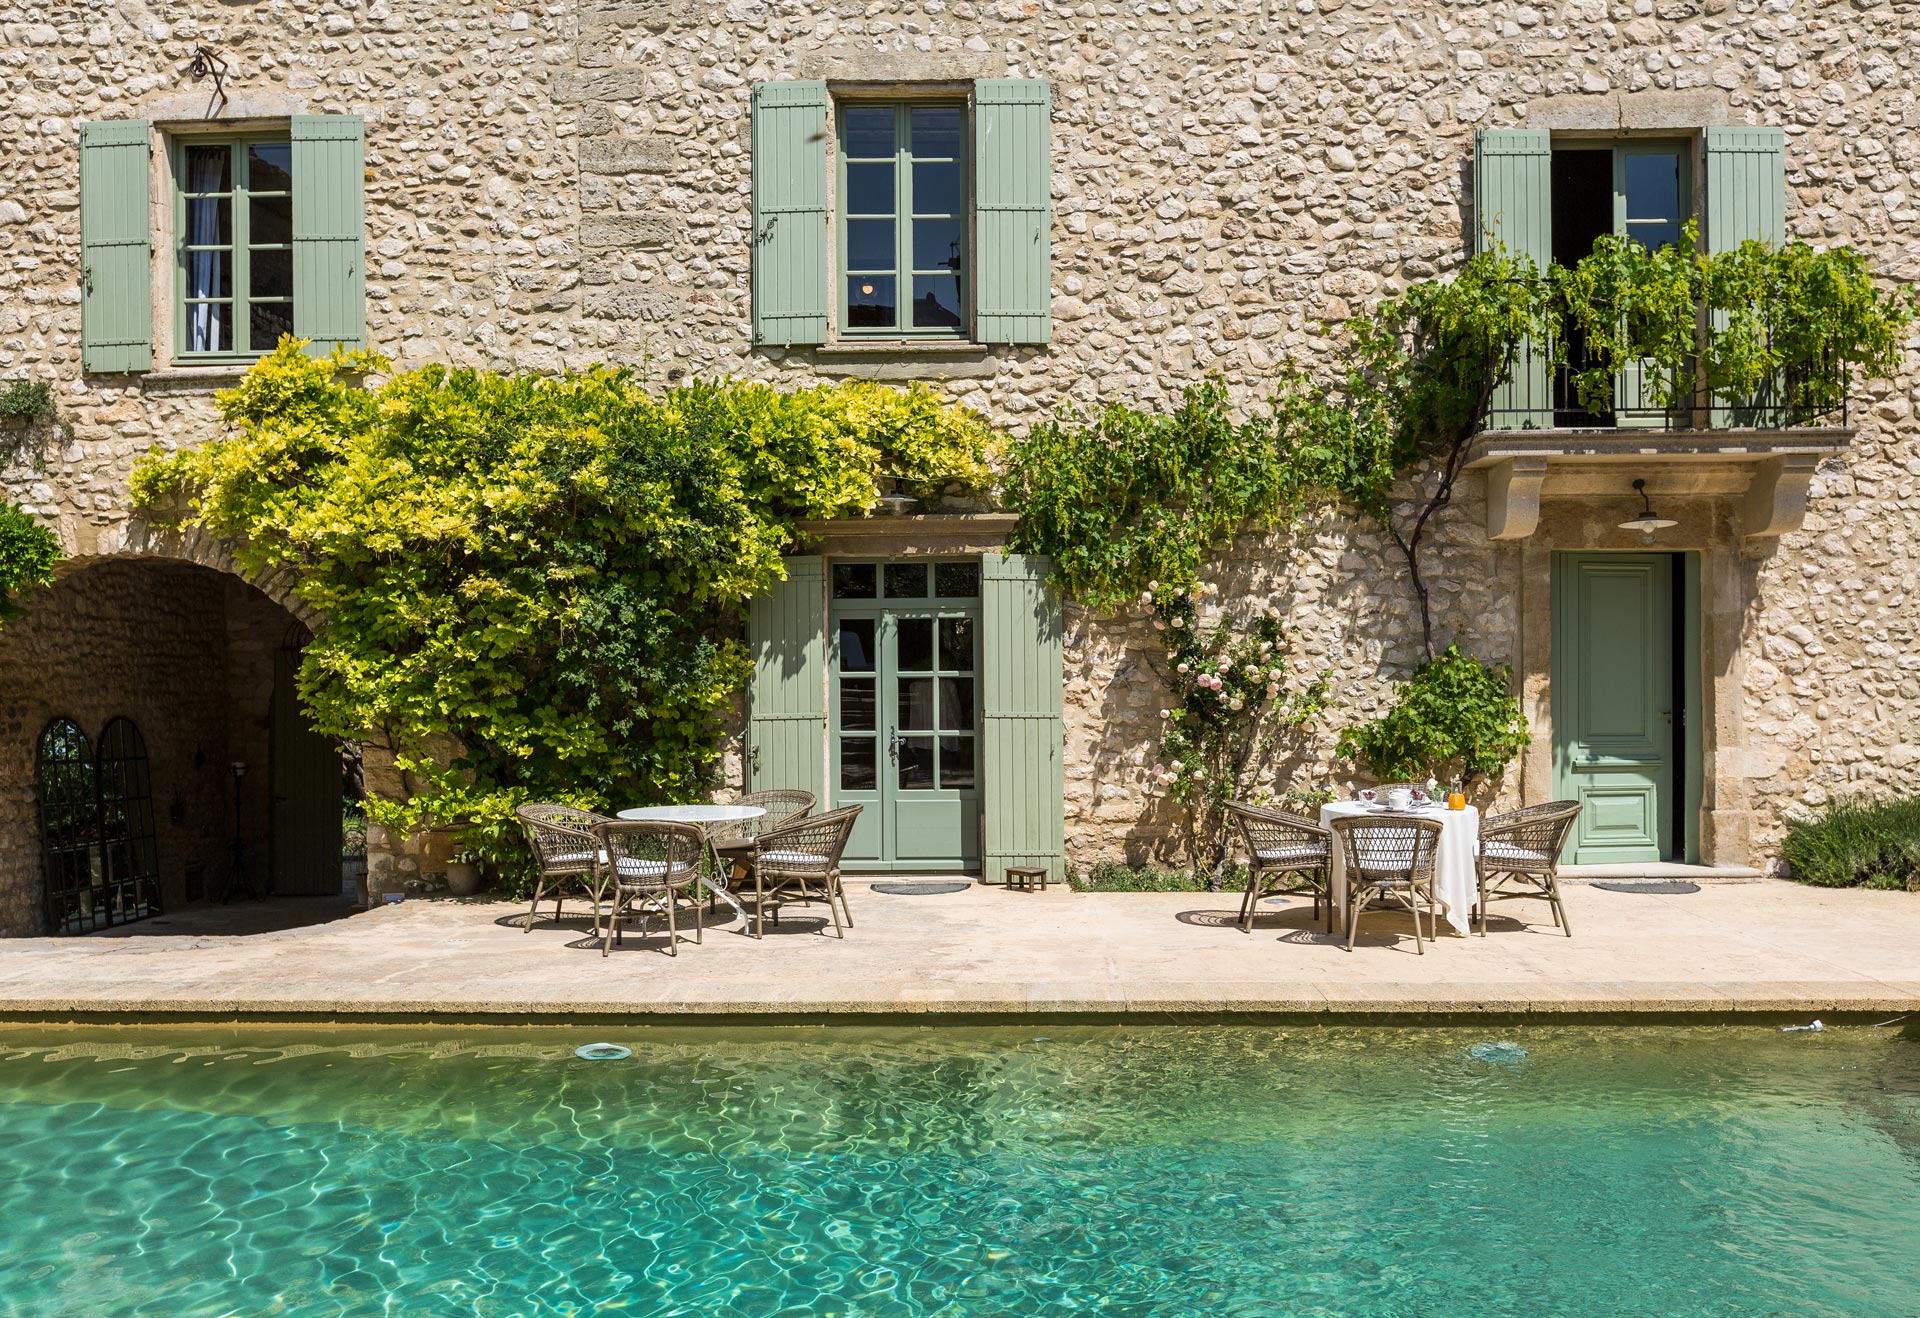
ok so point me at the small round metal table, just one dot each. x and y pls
(705, 818)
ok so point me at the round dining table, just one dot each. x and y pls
(1455, 884)
(706, 818)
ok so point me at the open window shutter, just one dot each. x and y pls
(786, 702)
(329, 231)
(1746, 198)
(1012, 210)
(1513, 207)
(790, 212)
(116, 247)
(1024, 782)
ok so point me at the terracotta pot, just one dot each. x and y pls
(463, 879)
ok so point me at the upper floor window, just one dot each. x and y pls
(1639, 190)
(902, 184)
(235, 221)
(931, 219)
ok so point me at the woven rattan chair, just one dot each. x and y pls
(782, 804)
(1389, 860)
(800, 862)
(650, 866)
(563, 846)
(1519, 856)
(1287, 854)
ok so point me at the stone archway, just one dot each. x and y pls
(167, 634)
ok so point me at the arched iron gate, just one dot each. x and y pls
(97, 841)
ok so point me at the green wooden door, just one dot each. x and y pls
(305, 771)
(1613, 703)
(903, 660)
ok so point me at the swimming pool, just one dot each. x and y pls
(1127, 1170)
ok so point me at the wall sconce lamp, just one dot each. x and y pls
(1646, 521)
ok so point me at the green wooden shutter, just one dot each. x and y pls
(1513, 207)
(790, 212)
(1746, 198)
(786, 703)
(1012, 210)
(116, 247)
(329, 231)
(1024, 785)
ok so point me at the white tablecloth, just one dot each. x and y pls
(1454, 881)
(704, 817)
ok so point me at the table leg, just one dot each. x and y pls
(719, 889)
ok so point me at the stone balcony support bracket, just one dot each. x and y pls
(1769, 473)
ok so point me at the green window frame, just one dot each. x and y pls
(903, 205)
(233, 224)
(1655, 225)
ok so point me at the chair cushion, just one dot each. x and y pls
(572, 858)
(1496, 850)
(793, 860)
(632, 867)
(1301, 853)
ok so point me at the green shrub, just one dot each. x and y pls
(1858, 843)
(26, 398)
(1452, 720)
(28, 552)
(1112, 876)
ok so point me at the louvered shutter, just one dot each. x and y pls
(1513, 207)
(329, 231)
(790, 212)
(1012, 210)
(1746, 198)
(786, 701)
(1023, 785)
(116, 247)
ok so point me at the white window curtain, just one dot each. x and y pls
(207, 322)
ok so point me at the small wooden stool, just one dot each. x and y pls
(1021, 877)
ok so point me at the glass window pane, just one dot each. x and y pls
(856, 581)
(936, 302)
(209, 274)
(956, 704)
(907, 581)
(266, 322)
(916, 704)
(956, 762)
(870, 245)
(270, 167)
(210, 222)
(956, 645)
(936, 131)
(208, 169)
(936, 188)
(856, 645)
(270, 220)
(856, 704)
(270, 274)
(916, 763)
(1653, 186)
(869, 189)
(936, 245)
(913, 646)
(869, 130)
(209, 327)
(859, 764)
(956, 581)
(870, 301)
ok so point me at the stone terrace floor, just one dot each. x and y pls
(1766, 947)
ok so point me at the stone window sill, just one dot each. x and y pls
(862, 350)
(191, 379)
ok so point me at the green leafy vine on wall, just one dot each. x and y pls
(29, 551)
(533, 587)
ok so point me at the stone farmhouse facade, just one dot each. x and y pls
(1026, 204)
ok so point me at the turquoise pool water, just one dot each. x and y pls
(1190, 1170)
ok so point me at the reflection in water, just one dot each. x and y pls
(1045, 1170)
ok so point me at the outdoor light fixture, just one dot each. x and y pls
(866, 288)
(1646, 521)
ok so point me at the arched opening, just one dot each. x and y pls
(164, 689)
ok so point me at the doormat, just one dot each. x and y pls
(1656, 887)
(920, 889)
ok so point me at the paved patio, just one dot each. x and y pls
(1763, 947)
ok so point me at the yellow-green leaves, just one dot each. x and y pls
(28, 553)
(547, 572)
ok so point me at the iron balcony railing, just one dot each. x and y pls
(1538, 398)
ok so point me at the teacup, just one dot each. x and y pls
(1400, 798)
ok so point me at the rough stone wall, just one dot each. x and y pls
(96, 647)
(554, 185)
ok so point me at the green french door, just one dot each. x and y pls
(1620, 695)
(903, 672)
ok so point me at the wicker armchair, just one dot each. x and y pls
(782, 804)
(800, 862)
(1519, 856)
(650, 866)
(1287, 854)
(561, 839)
(1389, 860)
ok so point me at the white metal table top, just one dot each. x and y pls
(694, 814)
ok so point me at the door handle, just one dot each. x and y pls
(893, 746)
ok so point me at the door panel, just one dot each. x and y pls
(306, 794)
(1613, 702)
